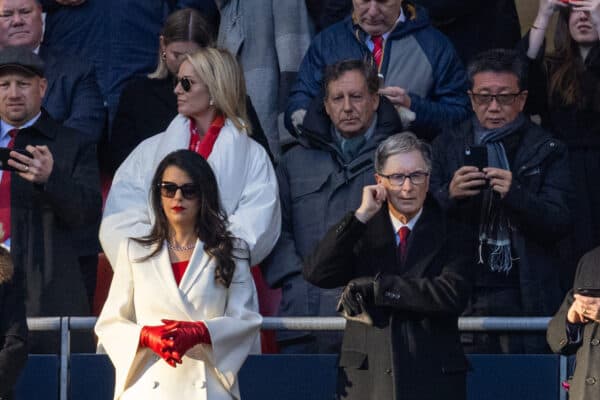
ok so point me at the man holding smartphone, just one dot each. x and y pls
(516, 200)
(50, 192)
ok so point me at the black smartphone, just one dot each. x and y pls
(5, 156)
(476, 156)
(589, 292)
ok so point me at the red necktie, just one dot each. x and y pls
(5, 192)
(377, 49)
(403, 245)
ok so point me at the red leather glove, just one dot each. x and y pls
(152, 338)
(183, 335)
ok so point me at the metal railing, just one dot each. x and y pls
(465, 324)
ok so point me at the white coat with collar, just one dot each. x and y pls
(245, 175)
(144, 292)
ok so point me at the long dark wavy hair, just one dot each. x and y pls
(566, 70)
(211, 221)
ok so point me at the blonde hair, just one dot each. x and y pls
(223, 76)
(185, 25)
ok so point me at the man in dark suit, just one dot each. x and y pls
(52, 191)
(403, 291)
(72, 99)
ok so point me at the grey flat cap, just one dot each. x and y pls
(23, 59)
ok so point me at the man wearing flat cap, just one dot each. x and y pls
(50, 189)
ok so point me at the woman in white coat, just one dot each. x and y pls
(212, 121)
(181, 315)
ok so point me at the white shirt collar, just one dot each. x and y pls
(410, 224)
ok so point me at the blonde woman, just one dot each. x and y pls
(212, 121)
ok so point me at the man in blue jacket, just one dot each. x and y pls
(421, 72)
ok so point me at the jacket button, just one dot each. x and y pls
(388, 371)
(590, 380)
(595, 342)
(552, 144)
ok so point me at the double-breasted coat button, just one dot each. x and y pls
(595, 342)
(388, 371)
(590, 380)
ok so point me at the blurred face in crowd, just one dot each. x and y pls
(181, 209)
(582, 28)
(174, 53)
(406, 200)
(495, 111)
(350, 105)
(194, 102)
(376, 17)
(20, 23)
(20, 96)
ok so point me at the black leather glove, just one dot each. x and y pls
(357, 293)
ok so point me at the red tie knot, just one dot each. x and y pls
(13, 132)
(403, 233)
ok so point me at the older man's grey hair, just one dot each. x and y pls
(400, 143)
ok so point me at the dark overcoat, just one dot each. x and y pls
(413, 349)
(585, 384)
(44, 219)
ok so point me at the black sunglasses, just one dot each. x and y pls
(185, 83)
(189, 191)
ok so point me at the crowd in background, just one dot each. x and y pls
(287, 101)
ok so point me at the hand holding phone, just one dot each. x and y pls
(5, 156)
(476, 156)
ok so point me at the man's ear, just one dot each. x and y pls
(523, 99)
(376, 101)
(43, 85)
(326, 106)
(378, 178)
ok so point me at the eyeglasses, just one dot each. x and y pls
(504, 99)
(185, 83)
(416, 178)
(189, 191)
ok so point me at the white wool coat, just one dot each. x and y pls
(144, 292)
(245, 176)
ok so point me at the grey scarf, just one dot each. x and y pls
(494, 225)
